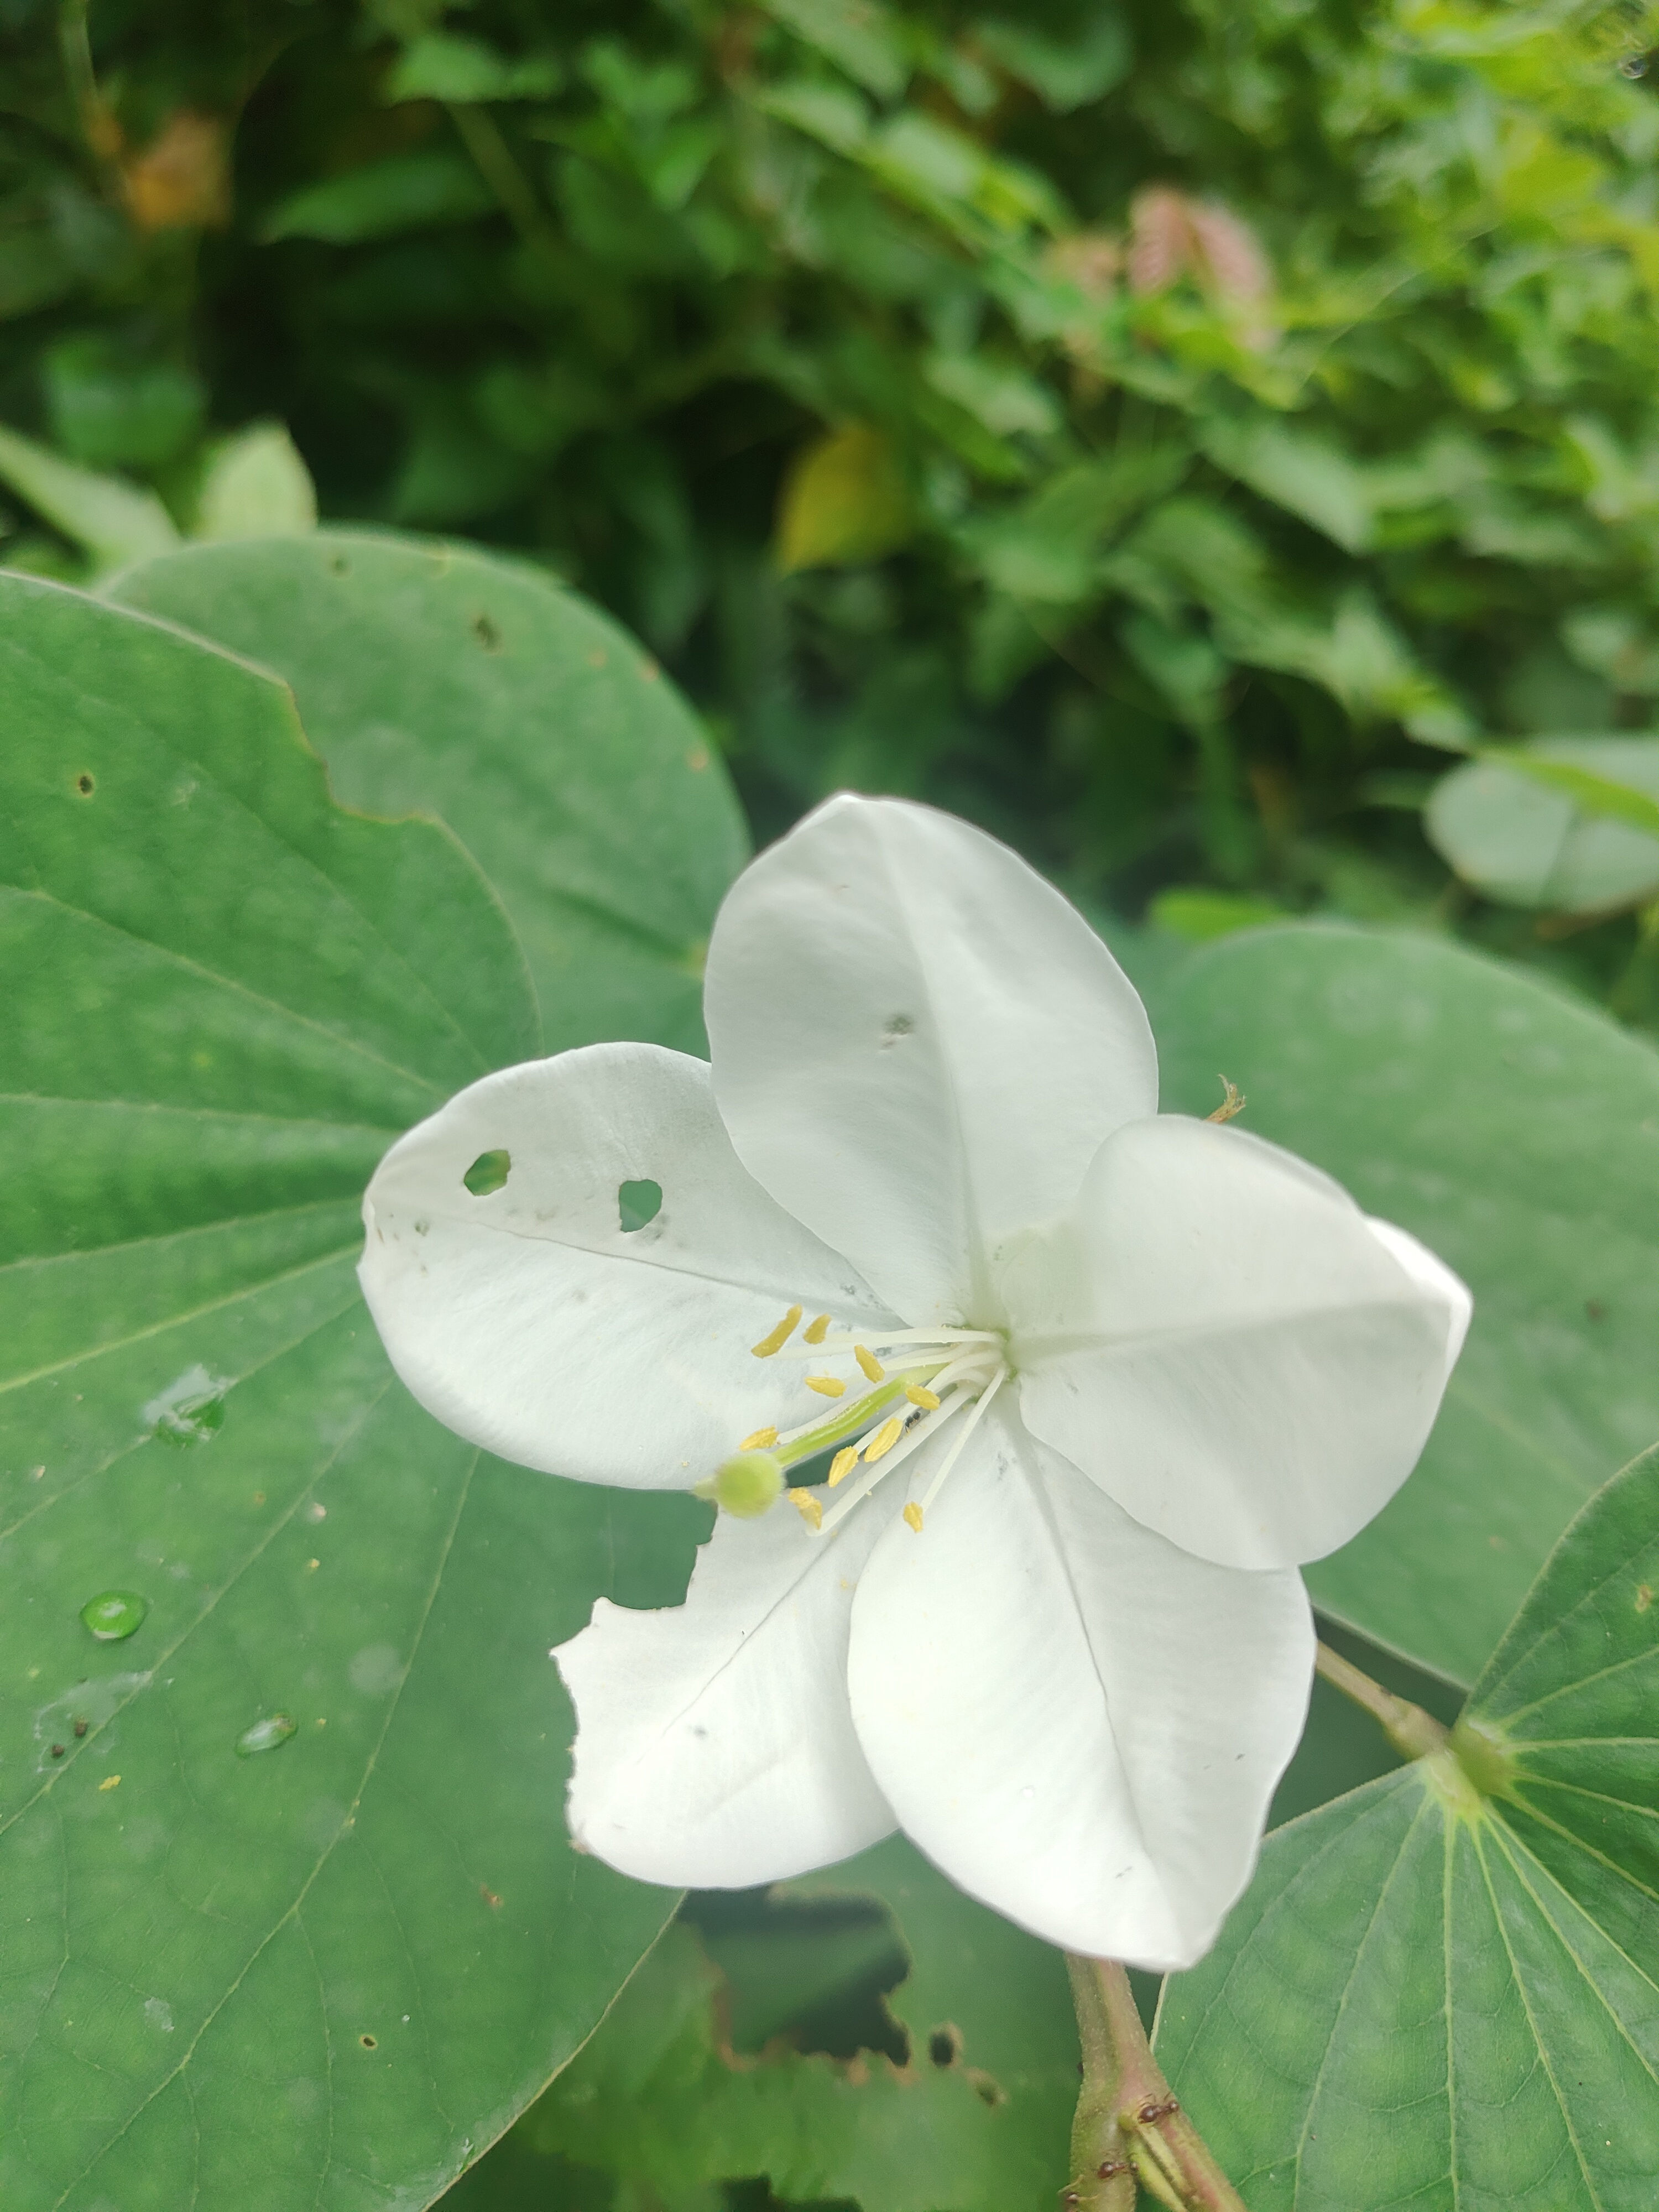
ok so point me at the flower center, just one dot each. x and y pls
(920, 1379)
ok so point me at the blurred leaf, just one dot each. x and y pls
(1199, 914)
(255, 485)
(112, 408)
(35, 271)
(978, 2118)
(1006, 400)
(1517, 1132)
(401, 192)
(1537, 825)
(1065, 73)
(115, 521)
(442, 65)
(437, 680)
(1440, 1989)
(844, 500)
(1306, 474)
(225, 997)
(862, 37)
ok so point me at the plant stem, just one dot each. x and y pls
(1413, 1732)
(493, 159)
(1130, 2132)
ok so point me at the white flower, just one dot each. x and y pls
(1110, 1375)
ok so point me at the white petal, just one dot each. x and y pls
(715, 1746)
(531, 1322)
(917, 1043)
(1221, 1339)
(1081, 1723)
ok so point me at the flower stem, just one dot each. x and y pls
(1130, 2133)
(1413, 1732)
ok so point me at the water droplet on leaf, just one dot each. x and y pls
(265, 1734)
(192, 1408)
(113, 1615)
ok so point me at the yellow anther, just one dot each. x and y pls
(808, 1506)
(919, 1394)
(868, 1361)
(913, 1516)
(763, 1438)
(779, 1337)
(827, 1386)
(842, 1464)
(884, 1438)
(815, 1331)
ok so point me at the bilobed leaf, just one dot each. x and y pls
(977, 2120)
(434, 679)
(1514, 1130)
(291, 1915)
(1444, 1989)
(1567, 822)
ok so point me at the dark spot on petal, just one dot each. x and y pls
(638, 1203)
(490, 1171)
(896, 1026)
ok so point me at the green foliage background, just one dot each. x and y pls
(1167, 435)
(1150, 430)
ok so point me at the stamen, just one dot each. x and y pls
(759, 1442)
(842, 1465)
(868, 1361)
(776, 1338)
(884, 1438)
(827, 1386)
(815, 1330)
(976, 1416)
(913, 1516)
(913, 1391)
(900, 1336)
(809, 1506)
(871, 1476)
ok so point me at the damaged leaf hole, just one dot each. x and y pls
(369, 2043)
(340, 565)
(638, 1204)
(487, 634)
(489, 1172)
(85, 783)
(944, 2046)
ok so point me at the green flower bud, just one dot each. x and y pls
(748, 1485)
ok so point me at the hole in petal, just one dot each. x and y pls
(945, 2046)
(638, 1203)
(489, 1172)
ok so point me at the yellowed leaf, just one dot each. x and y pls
(844, 500)
(181, 181)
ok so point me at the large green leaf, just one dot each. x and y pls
(431, 676)
(1514, 1130)
(1444, 1989)
(976, 2118)
(324, 1971)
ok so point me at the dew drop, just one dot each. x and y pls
(191, 1410)
(112, 1615)
(265, 1734)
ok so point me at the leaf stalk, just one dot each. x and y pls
(1414, 1733)
(1130, 2132)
